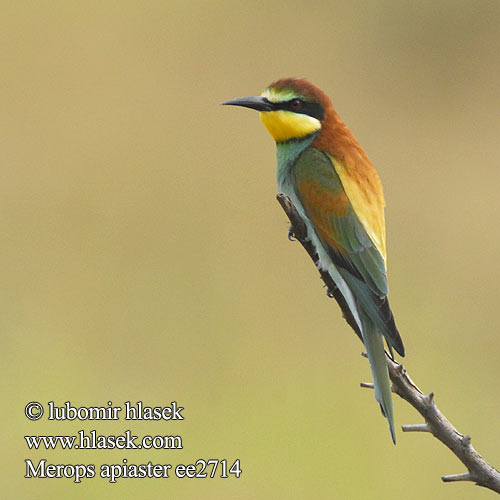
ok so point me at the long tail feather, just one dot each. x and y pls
(374, 344)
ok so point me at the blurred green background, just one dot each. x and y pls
(144, 256)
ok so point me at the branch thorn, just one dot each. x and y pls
(464, 476)
(416, 428)
(429, 398)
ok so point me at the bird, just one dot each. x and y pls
(338, 195)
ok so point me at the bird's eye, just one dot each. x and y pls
(295, 104)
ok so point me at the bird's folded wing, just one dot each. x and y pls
(336, 223)
(345, 238)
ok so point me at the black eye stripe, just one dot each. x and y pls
(313, 109)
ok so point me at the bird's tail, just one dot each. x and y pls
(374, 344)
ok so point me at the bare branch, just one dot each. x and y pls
(479, 471)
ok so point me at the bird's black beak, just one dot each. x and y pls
(258, 103)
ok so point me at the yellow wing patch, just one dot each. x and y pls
(364, 190)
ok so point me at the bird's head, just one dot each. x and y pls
(290, 108)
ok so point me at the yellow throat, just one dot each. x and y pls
(286, 125)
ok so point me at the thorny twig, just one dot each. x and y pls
(478, 470)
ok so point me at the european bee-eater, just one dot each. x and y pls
(338, 194)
